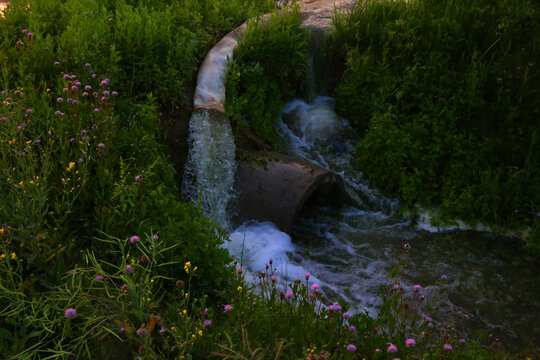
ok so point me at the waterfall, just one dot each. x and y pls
(210, 167)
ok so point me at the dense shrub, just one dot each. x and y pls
(268, 69)
(82, 86)
(445, 94)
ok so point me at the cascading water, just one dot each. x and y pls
(349, 251)
(211, 165)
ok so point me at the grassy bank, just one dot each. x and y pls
(445, 95)
(98, 256)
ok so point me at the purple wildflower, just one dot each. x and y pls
(155, 236)
(315, 287)
(307, 275)
(289, 294)
(444, 277)
(70, 313)
(207, 322)
(134, 239)
(80, 160)
(96, 110)
(107, 93)
(129, 269)
(417, 288)
(352, 328)
(447, 347)
(162, 330)
(57, 63)
(346, 315)
(59, 100)
(87, 87)
(410, 343)
(407, 246)
(101, 145)
(87, 64)
(227, 308)
(138, 178)
(28, 111)
(99, 277)
(351, 348)
(391, 348)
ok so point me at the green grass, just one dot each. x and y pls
(268, 69)
(445, 96)
(83, 170)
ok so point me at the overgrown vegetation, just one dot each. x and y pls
(268, 68)
(98, 257)
(445, 94)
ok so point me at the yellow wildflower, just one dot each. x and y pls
(173, 329)
(187, 266)
(13, 256)
(21, 183)
(11, 142)
(3, 256)
(48, 89)
(184, 311)
(193, 336)
(2, 231)
(200, 332)
(70, 166)
(28, 142)
(239, 288)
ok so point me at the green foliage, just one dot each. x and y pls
(445, 94)
(124, 307)
(83, 84)
(268, 69)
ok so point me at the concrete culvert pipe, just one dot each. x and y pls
(275, 187)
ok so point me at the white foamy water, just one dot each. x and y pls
(211, 165)
(349, 251)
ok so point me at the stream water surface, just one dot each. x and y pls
(349, 251)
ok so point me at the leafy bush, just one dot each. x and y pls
(445, 93)
(83, 85)
(268, 69)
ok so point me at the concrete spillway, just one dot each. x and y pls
(275, 189)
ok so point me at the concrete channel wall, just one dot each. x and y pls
(274, 187)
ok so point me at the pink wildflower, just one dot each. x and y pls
(70, 313)
(391, 348)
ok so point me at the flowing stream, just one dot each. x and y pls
(349, 251)
(210, 167)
